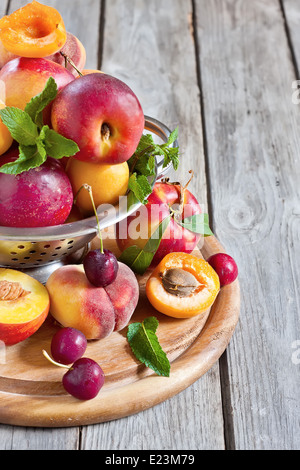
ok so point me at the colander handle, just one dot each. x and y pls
(162, 131)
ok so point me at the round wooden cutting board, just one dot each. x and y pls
(31, 392)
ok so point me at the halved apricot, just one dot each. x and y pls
(182, 285)
(34, 30)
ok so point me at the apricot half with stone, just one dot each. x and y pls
(24, 305)
(182, 285)
(34, 30)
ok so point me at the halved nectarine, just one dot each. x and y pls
(24, 305)
(34, 30)
(182, 285)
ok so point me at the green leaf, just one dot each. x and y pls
(143, 162)
(29, 157)
(145, 346)
(56, 145)
(20, 125)
(197, 223)
(140, 187)
(37, 104)
(139, 259)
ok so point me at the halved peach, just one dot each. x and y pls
(182, 285)
(24, 305)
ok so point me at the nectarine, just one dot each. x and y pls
(164, 198)
(102, 115)
(23, 78)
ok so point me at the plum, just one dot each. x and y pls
(38, 197)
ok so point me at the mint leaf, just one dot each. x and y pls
(139, 259)
(145, 346)
(20, 125)
(29, 157)
(56, 145)
(37, 104)
(197, 223)
(36, 141)
(143, 162)
(140, 187)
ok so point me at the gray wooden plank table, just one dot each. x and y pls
(226, 73)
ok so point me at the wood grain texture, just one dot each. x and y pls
(31, 392)
(252, 130)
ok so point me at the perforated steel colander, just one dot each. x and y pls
(39, 251)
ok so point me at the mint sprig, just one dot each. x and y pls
(145, 346)
(36, 140)
(142, 163)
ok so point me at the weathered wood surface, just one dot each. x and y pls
(222, 71)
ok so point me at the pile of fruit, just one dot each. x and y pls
(72, 139)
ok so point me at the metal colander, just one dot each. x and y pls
(39, 251)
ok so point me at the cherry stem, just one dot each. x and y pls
(89, 189)
(54, 362)
(67, 59)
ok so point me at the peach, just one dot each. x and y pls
(23, 78)
(108, 182)
(96, 311)
(75, 50)
(24, 305)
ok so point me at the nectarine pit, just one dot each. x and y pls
(10, 290)
(179, 282)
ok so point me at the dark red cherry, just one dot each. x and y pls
(68, 345)
(84, 379)
(101, 268)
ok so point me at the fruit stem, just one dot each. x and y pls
(54, 362)
(67, 59)
(89, 189)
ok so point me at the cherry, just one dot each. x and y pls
(67, 345)
(101, 268)
(225, 267)
(84, 378)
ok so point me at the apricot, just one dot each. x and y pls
(5, 137)
(24, 305)
(182, 285)
(34, 30)
(108, 182)
(95, 311)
